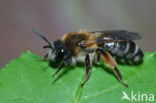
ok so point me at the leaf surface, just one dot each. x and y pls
(27, 80)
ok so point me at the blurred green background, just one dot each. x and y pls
(54, 18)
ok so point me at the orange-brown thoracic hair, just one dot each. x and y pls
(74, 41)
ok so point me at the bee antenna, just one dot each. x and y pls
(41, 35)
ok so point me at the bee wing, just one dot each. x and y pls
(112, 35)
(117, 35)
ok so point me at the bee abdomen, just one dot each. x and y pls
(138, 57)
(125, 51)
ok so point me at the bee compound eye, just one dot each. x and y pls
(62, 50)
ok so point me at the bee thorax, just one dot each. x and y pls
(80, 58)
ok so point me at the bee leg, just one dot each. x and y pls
(98, 54)
(112, 64)
(44, 58)
(88, 65)
(47, 46)
(64, 63)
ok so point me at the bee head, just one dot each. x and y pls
(57, 52)
(57, 49)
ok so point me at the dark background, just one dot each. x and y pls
(54, 18)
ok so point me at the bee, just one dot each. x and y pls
(94, 47)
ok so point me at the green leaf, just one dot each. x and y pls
(27, 80)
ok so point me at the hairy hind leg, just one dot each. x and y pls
(113, 65)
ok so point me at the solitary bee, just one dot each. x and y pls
(94, 47)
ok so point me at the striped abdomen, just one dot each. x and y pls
(125, 51)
